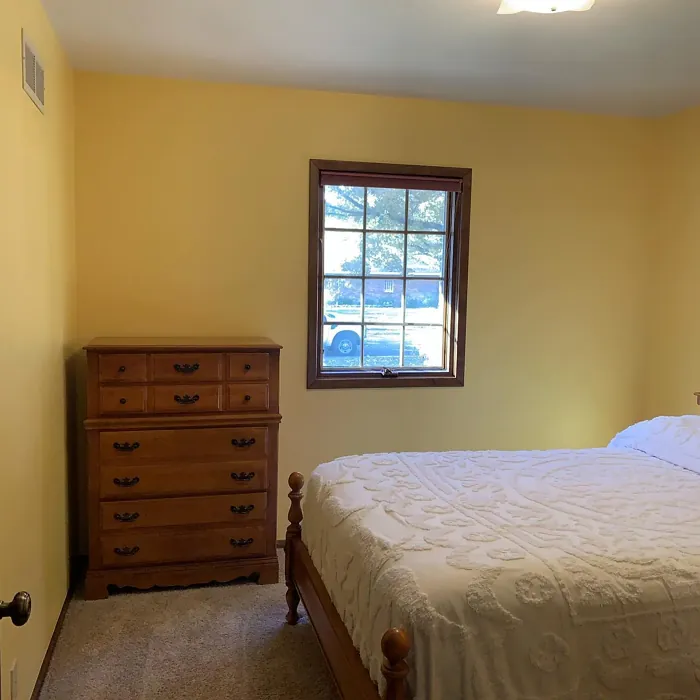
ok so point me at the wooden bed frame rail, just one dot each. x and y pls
(304, 583)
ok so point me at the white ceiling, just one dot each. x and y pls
(624, 56)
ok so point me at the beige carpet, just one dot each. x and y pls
(212, 642)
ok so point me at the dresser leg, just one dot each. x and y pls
(95, 586)
(269, 573)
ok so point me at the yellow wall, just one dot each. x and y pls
(37, 328)
(192, 219)
(674, 363)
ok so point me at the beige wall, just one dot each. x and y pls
(37, 331)
(674, 332)
(192, 219)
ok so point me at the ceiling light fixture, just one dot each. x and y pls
(510, 7)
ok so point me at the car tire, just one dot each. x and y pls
(346, 343)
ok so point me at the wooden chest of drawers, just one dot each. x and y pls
(182, 461)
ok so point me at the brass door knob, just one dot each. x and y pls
(18, 610)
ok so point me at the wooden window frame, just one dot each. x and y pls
(456, 274)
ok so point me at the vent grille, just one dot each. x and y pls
(39, 90)
(33, 74)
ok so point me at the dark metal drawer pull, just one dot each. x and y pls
(186, 399)
(243, 442)
(242, 510)
(187, 369)
(126, 446)
(127, 551)
(126, 482)
(243, 476)
(247, 368)
(122, 401)
(126, 517)
(247, 397)
(242, 542)
(122, 368)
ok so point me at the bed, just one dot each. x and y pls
(550, 575)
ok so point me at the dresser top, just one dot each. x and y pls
(154, 344)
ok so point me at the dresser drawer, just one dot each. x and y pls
(122, 482)
(126, 447)
(249, 366)
(187, 398)
(234, 509)
(123, 368)
(138, 547)
(248, 397)
(184, 367)
(124, 399)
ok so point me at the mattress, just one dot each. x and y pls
(551, 575)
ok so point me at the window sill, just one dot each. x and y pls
(369, 380)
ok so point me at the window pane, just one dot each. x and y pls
(386, 209)
(384, 255)
(342, 252)
(426, 254)
(425, 301)
(383, 301)
(424, 346)
(341, 346)
(382, 346)
(426, 210)
(344, 206)
(342, 300)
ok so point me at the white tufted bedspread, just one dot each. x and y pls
(557, 575)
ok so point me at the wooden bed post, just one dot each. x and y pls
(395, 647)
(296, 483)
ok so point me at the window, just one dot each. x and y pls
(388, 250)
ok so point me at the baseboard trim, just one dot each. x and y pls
(76, 565)
(51, 648)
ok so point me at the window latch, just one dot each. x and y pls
(386, 372)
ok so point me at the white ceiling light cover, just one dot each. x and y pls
(510, 7)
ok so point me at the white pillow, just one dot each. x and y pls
(674, 439)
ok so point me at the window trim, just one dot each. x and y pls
(456, 274)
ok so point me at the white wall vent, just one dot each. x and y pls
(32, 73)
